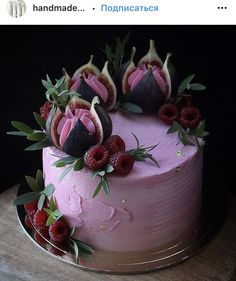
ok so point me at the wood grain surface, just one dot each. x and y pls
(20, 259)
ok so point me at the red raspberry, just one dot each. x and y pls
(169, 113)
(96, 157)
(45, 109)
(28, 221)
(114, 144)
(40, 219)
(59, 230)
(122, 163)
(31, 207)
(40, 238)
(190, 117)
(60, 245)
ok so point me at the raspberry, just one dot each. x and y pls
(190, 117)
(169, 113)
(40, 219)
(40, 238)
(60, 245)
(96, 157)
(28, 221)
(31, 207)
(45, 109)
(114, 144)
(122, 163)
(59, 230)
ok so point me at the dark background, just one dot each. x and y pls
(29, 52)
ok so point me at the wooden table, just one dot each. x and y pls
(20, 259)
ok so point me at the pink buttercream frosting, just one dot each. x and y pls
(69, 120)
(149, 207)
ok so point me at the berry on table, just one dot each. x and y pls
(59, 230)
(96, 157)
(169, 113)
(190, 117)
(114, 144)
(122, 163)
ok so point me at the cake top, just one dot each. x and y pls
(76, 118)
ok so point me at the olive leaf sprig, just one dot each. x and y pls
(124, 104)
(38, 136)
(141, 153)
(69, 163)
(53, 213)
(59, 93)
(186, 87)
(103, 183)
(78, 246)
(39, 191)
(190, 136)
(115, 54)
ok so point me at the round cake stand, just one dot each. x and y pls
(214, 207)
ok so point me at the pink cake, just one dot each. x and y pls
(150, 207)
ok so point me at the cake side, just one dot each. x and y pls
(148, 208)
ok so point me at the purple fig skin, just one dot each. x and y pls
(105, 121)
(78, 141)
(87, 92)
(147, 93)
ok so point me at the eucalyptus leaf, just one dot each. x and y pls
(60, 82)
(39, 180)
(26, 198)
(22, 127)
(52, 204)
(41, 122)
(32, 183)
(38, 145)
(108, 168)
(38, 136)
(47, 84)
(197, 87)
(174, 127)
(57, 214)
(65, 172)
(49, 189)
(64, 161)
(84, 247)
(101, 173)
(98, 188)
(41, 201)
(105, 186)
(79, 164)
(17, 133)
(72, 231)
(48, 79)
(76, 249)
(185, 84)
(50, 220)
(131, 107)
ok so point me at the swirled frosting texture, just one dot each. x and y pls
(148, 208)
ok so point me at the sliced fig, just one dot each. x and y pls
(78, 141)
(147, 93)
(151, 56)
(102, 120)
(126, 70)
(107, 81)
(87, 68)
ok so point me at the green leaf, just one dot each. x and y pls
(41, 201)
(26, 198)
(84, 247)
(17, 133)
(185, 84)
(137, 141)
(32, 183)
(47, 84)
(52, 204)
(72, 231)
(48, 211)
(38, 145)
(41, 122)
(197, 87)
(39, 180)
(64, 161)
(101, 173)
(79, 164)
(38, 136)
(57, 214)
(65, 172)
(174, 127)
(105, 186)
(50, 220)
(22, 127)
(108, 168)
(184, 139)
(98, 188)
(131, 107)
(49, 189)
(60, 82)
(75, 248)
(48, 78)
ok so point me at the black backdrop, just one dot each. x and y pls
(29, 52)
